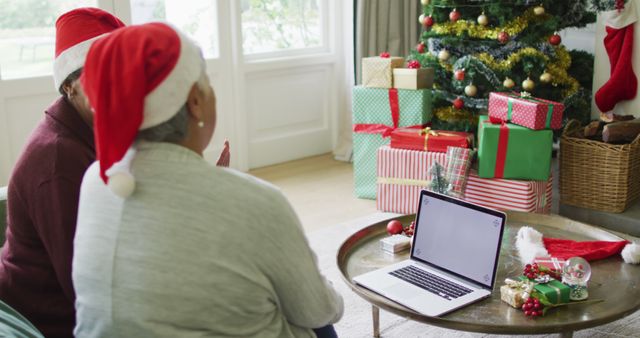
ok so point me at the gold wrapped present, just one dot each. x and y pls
(515, 293)
(377, 72)
(407, 78)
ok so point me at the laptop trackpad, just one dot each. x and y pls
(400, 291)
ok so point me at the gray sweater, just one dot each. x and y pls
(196, 251)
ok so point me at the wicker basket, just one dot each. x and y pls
(597, 175)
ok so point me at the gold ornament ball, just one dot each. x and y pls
(546, 77)
(483, 19)
(444, 55)
(471, 90)
(508, 83)
(421, 19)
(425, 2)
(528, 84)
(538, 10)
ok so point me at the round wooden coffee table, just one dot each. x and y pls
(613, 281)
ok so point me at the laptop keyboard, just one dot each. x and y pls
(430, 282)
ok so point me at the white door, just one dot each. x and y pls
(277, 67)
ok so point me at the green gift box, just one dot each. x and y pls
(377, 112)
(510, 151)
(555, 291)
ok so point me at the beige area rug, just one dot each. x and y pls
(356, 322)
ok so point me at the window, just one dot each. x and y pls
(281, 25)
(27, 35)
(197, 18)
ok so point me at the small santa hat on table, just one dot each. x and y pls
(531, 244)
(136, 78)
(76, 30)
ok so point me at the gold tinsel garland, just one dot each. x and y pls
(557, 69)
(451, 114)
(478, 31)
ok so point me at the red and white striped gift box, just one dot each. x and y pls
(503, 194)
(402, 174)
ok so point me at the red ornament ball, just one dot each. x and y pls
(428, 21)
(454, 15)
(555, 39)
(394, 227)
(458, 103)
(503, 37)
(459, 74)
(385, 55)
(413, 64)
(420, 48)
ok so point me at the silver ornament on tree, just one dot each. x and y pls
(538, 10)
(528, 84)
(483, 19)
(444, 55)
(425, 2)
(421, 19)
(471, 90)
(546, 77)
(508, 83)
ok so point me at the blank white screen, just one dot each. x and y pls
(457, 238)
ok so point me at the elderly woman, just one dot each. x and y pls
(168, 245)
(35, 268)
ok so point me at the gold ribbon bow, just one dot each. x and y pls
(428, 132)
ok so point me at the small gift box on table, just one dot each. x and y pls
(507, 150)
(413, 78)
(503, 194)
(525, 110)
(555, 291)
(376, 113)
(402, 174)
(429, 140)
(515, 293)
(552, 263)
(377, 71)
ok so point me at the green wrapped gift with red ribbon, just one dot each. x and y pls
(556, 292)
(524, 110)
(506, 150)
(376, 113)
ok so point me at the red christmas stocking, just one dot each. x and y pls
(623, 83)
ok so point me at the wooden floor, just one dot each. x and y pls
(320, 190)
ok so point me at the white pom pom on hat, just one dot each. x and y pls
(531, 244)
(154, 67)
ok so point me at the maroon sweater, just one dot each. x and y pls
(42, 206)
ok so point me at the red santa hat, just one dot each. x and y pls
(531, 244)
(136, 78)
(75, 32)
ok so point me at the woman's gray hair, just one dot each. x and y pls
(175, 129)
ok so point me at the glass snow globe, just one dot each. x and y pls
(576, 273)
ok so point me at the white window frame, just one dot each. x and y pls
(324, 47)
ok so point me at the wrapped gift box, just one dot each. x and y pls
(503, 194)
(555, 291)
(402, 174)
(376, 112)
(377, 72)
(526, 111)
(510, 151)
(512, 296)
(553, 263)
(408, 78)
(429, 140)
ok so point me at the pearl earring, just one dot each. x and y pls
(201, 124)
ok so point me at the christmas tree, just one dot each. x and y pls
(482, 46)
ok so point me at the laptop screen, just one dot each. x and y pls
(459, 237)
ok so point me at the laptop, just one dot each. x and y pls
(454, 257)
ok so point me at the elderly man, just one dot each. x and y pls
(35, 264)
(168, 245)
